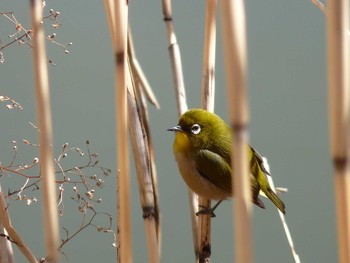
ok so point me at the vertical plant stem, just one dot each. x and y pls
(45, 133)
(207, 101)
(176, 65)
(5, 220)
(121, 68)
(117, 17)
(338, 94)
(234, 46)
(175, 58)
(142, 91)
(6, 252)
(208, 78)
(142, 158)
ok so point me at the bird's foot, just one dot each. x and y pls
(206, 211)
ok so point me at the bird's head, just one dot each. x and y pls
(199, 129)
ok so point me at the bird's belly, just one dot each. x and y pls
(196, 182)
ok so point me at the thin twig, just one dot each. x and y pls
(282, 216)
(320, 5)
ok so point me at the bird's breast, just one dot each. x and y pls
(195, 181)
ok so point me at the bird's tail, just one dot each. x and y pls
(275, 199)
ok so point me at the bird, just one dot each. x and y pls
(203, 152)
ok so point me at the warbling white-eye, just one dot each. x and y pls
(202, 149)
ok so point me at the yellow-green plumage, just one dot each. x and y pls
(202, 149)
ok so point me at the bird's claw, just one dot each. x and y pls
(205, 211)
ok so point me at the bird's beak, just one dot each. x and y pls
(175, 128)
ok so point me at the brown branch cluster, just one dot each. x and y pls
(79, 183)
(23, 37)
(10, 103)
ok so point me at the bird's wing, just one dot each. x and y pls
(215, 169)
(260, 161)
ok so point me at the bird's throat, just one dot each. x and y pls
(182, 143)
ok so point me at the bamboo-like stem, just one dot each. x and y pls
(6, 252)
(109, 8)
(123, 195)
(5, 219)
(146, 178)
(207, 102)
(117, 17)
(208, 78)
(145, 123)
(176, 65)
(175, 58)
(235, 57)
(338, 93)
(45, 133)
(139, 141)
(143, 112)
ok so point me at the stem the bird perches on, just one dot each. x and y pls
(338, 100)
(175, 58)
(42, 95)
(176, 65)
(208, 77)
(207, 101)
(235, 57)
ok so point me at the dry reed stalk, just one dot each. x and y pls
(320, 5)
(142, 157)
(140, 83)
(123, 195)
(15, 238)
(138, 74)
(282, 216)
(45, 133)
(175, 59)
(180, 93)
(208, 79)
(145, 123)
(117, 17)
(146, 183)
(235, 56)
(338, 93)
(6, 252)
(207, 102)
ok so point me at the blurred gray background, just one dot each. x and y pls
(288, 103)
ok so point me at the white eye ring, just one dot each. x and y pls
(195, 129)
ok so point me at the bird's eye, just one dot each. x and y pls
(195, 129)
